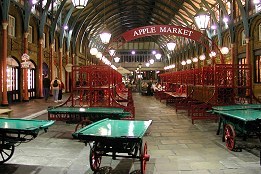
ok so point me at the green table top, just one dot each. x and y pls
(236, 107)
(115, 129)
(242, 114)
(86, 110)
(23, 124)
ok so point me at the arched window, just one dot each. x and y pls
(12, 73)
(31, 80)
(243, 38)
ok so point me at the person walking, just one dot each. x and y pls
(55, 84)
(46, 87)
(60, 95)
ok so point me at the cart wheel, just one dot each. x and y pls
(82, 124)
(95, 160)
(229, 135)
(6, 152)
(144, 157)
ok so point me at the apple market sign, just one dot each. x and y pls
(162, 30)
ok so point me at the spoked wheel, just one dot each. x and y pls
(95, 160)
(82, 124)
(144, 157)
(6, 152)
(229, 135)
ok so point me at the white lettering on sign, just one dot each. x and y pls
(144, 31)
(152, 30)
(180, 31)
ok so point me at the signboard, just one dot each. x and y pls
(161, 30)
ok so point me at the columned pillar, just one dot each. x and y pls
(248, 51)
(67, 79)
(73, 59)
(25, 70)
(40, 68)
(61, 64)
(248, 61)
(4, 64)
(73, 80)
(233, 54)
(51, 61)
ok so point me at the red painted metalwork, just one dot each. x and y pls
(98, 86)
(221, 84)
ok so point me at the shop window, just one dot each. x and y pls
(257, 69)
(31, 80)
(30, 35)
(243, 38)
(11, 26)
(12, 74)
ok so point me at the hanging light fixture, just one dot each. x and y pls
(151, 61)
(158, 56)
(171, 46)
(112, 52)
(105, 35)
(202, 57)
(99, 55)
(212, 54)
(202, 18)
(79, 4)
(116, 59)
(188, 61)
(93, 51)
(195, 59)
(224, 50)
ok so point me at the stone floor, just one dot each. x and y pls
(174, 144)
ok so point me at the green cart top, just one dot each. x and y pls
(115, 129)
(23, 124)
(243, 114)
(91, 110)
(236, 107)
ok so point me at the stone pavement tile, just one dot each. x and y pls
(195, 172)
(204, 165)
(185, 159)
(166, 167)
(161, 153)
(236, 171)
(167, 142)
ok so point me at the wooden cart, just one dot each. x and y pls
(244, 120)
(16, 131)
(86, 115)
(115, 138)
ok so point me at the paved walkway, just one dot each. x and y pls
(174, 144)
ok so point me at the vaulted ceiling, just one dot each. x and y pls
(123, 15)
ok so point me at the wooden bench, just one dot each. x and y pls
(5, 112)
